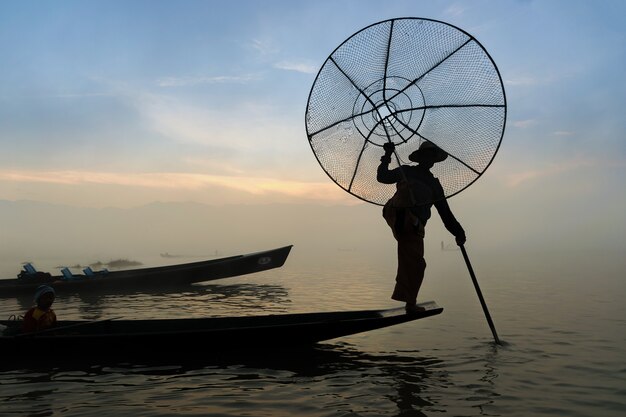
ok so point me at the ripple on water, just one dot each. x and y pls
(553, 364)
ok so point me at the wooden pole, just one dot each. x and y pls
(480, 295)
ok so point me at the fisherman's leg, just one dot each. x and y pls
(418, 278)
(396, 223)
(411, 266)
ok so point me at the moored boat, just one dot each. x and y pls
(147, 279)
(166, 337)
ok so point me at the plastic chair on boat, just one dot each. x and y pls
(29, 268)
(67, 274)
(32, 275)
(90, 273)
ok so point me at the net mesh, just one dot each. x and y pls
(406, 81)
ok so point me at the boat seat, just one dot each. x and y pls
(91, 273)
(67, 274)
(28, 267)
(31, 274)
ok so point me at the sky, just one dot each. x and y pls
(121, 104)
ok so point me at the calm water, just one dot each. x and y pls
(564, 328)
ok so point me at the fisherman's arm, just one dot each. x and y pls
(383, 174)
(450, 222)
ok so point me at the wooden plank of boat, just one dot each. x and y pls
(154, 277)
(201, 335)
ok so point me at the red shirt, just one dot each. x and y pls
(37, 319)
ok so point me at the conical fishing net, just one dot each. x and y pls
(406, 81)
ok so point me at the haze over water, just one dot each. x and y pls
(561, 317)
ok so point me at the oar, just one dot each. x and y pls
(480, 295)
(70, 326)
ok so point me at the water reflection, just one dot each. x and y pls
(477, 373)
(338, 376)
(312, 381)
(189, 301)
(24, 302)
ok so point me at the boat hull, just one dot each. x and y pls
(156, 278)
(125, 339)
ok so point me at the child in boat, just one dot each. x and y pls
(41, 316)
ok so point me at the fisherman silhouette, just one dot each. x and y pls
(408, 211)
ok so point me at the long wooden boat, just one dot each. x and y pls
(154, 278)
(166, 337)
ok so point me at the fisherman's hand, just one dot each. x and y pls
(460, 239)
(389, 147)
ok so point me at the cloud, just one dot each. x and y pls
(265, 46)
(81, 95)
(219, 79)
(171, 117)
(516, 179)
(521, 81)
(181, 182)
(523, 124)
(304, 67)
(240, 128)
(455, 10)
(232, 138)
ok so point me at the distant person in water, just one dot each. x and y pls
(41, 316)
(407, 212)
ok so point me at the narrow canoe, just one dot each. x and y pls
(154, 278)
(167, 337)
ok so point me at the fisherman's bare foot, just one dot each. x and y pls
(413, 308)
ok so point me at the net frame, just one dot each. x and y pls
(386, 94)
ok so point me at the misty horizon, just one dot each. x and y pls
(51, 234)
